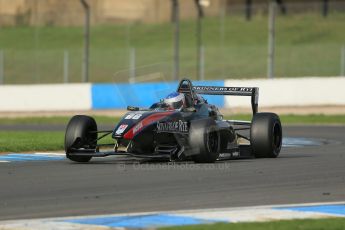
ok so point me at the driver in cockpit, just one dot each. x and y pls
(177, 101)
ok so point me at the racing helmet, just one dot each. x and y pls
(175, 100)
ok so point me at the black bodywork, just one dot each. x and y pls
(158, 132)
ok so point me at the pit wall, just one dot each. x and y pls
(309, 91)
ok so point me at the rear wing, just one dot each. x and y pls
(253, 92)
(187, 87)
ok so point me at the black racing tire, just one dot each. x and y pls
(204, 139)
(266, 135)
(78, 136)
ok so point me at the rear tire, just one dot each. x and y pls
(78, 136)
(204, 138)
(266, 135)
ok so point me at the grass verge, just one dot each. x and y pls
(55, 120)
(313, 119)
(306, 45)
(24, 141)
(30, 141)
(306, 224)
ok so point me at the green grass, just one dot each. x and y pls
(23, 141)
(307, 45)
(313, 119)
(55, 120)
(29, 141)
(19, 141)
(306, 224)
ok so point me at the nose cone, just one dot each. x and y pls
(129, 120)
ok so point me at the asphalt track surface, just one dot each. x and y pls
(110, 185)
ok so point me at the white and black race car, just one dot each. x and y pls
(194, 131)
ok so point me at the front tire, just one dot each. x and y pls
(266, 135)
(204, 138)
(80, 133)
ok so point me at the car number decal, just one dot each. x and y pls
(134, 116)
(121, 129)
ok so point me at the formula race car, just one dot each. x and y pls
(182, 126)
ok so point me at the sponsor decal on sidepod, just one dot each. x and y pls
(172, 126)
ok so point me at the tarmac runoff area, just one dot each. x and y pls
(131, 193)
